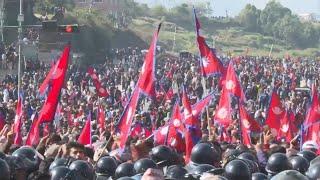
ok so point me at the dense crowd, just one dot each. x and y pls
(59, 156)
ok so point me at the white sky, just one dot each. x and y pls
(234, 6)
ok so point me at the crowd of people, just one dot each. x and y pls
(59, 156)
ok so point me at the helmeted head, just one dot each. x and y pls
(237, 169)
(125, 169)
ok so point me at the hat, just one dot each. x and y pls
(310, 145)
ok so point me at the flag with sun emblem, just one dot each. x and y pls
(287, 128)
(313, 114)
(232, 84)
(210, 64)
(48, 110)
(147, 77)
(125, 121)
(101, 91)
(275, 112)
(223, 112)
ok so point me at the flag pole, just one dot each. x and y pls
(240, 124)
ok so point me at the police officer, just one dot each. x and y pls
(237, 170)
(124, 169)
(82, 169)
(299, 163)
(105, 168)
(313, 172)
(143, 164)
(202, 153)
(277, 162)
(289, 174)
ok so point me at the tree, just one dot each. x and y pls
(159, 10)
(204, 9)
(289, 29)
(310, 35)
(249, 17)
(273, 12)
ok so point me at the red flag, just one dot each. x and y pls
(139, 131)
(199, 106)
(101, 117)
(160, 135)
(46, 129)
(102, 92)
(46, 81)
(169, 94)
(275, 112)
(2, 121)
(176, 118)
(125, 121)
(192, 129)
(33, 137)
(175, 130)
(17, 122)
(313, 133)
(210, 63)
(147, 77)
(85, 136)
(174, 139)
(313, 114)
(223, 112)
(49, 108)
(232, 84)
(248, 122)
(287, 129)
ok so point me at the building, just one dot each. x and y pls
(308, 17)
(103, 5)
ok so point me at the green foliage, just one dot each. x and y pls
(43, 6)
(249, 18)
(279, 22)
(159, 11)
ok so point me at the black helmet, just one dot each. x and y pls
(143, 164)
(237, 169)
(106, 166)
(299, 163)
(202, 168)
(309, 155)
(125, 178)
(2, 155)
(82, 169)
(277, 162)
(61, 172)
(253, 166)
(124, 169)
(176, 172)
(162, 154)
(248, 155)
(4, 170)
(313, 172)
(289, 175)
(231, 154)
(29, 157)
(315, 160)
(58, 162)
(259, 176)
(203, 153)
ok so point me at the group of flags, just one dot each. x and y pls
(183, 129)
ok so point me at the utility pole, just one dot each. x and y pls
(174, 38)
(20, 20)
(1, 18)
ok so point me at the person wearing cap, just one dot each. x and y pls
(310, 146)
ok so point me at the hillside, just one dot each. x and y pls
(234, 40)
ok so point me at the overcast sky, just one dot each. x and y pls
(234, 6)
